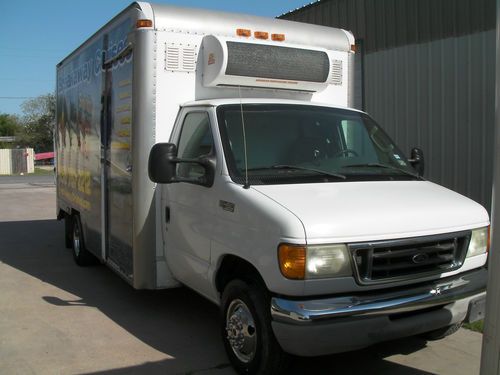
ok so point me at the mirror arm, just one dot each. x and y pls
(206, 162)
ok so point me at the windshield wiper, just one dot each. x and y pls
(299, 168)
(386, 166)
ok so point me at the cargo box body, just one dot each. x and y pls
(119, 93)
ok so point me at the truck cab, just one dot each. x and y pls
(312, 214)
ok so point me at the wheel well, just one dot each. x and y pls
(233, 267)
(63, 214)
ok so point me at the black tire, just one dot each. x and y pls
(441, 333)
(246, 330)
(80, 253)
(68, 231)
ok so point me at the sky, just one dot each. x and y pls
(35, 35)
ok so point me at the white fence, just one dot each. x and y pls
(17, 161)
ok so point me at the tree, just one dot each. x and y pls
(9, 127)
(39, 117)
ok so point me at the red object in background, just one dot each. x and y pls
(44, 156)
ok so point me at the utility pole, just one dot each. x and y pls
(490, 357)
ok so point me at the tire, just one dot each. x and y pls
(80, 253)
(68, 231)
(246, 330)
(441, 333)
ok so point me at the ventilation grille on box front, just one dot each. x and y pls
(336, 73)
(180, 58)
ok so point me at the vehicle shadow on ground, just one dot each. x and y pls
(177, 322)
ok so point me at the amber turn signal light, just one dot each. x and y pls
(292, 260)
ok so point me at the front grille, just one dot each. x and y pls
(384, 261)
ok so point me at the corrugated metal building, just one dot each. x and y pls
(428, 77)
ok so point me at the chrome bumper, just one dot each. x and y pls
(440, 292)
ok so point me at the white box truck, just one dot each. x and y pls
(217, 151)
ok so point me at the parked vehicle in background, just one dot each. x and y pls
(217, 151)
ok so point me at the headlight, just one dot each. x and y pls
(479, 242)
(313, 262)
(327, 261)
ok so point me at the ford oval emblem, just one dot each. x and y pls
(420, 258)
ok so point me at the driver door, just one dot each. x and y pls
(191, 207)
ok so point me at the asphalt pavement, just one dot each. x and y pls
(58, 318)
(27, 179)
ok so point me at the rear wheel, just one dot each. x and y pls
(80, 253)
(68, 231)
(246, 330)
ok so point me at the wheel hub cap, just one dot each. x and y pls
(76, 240)
(240, 331)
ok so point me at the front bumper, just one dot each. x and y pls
(338, 324)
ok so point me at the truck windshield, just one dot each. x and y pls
(302, 143)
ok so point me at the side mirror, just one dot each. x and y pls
(162, 162)
(162, 167)
(417, 160)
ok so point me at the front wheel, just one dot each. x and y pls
(246, 330)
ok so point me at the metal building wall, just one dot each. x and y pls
(384, 24)
(429, 69)
(440, 96)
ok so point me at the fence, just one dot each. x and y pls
(16, 161)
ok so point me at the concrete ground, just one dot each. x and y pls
(57, 318)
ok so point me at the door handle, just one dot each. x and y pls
(167, 214)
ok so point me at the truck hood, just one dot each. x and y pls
(376, 210)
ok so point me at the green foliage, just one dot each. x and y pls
(35, 128)
(38, 123)
(43, 171)
(9, 125)
(476, 326)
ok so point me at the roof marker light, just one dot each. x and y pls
(143, 23)
(261, 35)
(244, 32)
(278, 37)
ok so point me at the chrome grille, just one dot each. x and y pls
(384, 261)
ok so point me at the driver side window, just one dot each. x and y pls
(196, 140)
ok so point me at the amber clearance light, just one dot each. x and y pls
(278, 37)
(244, 32)
(144, 23)
(261, 35)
